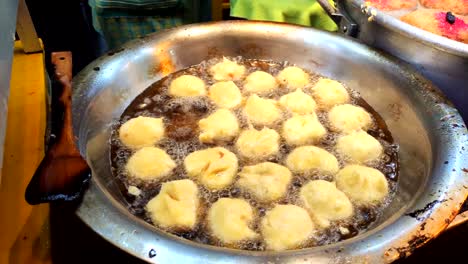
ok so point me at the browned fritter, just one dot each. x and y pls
(389, 5)
(440, 23)
(455, 6)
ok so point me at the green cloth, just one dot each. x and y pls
(302, 12)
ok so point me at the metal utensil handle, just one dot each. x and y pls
(331, 11)
(329, 8)
(345, 24)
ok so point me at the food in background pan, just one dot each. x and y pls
(456, 6)
(442, 23)
(389, 5)
(445, 18)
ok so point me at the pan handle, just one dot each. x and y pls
(345, 24)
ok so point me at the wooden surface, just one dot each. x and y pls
(24, 229)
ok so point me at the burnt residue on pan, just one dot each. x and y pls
(112, 52)
(413, 244)
(420, 214)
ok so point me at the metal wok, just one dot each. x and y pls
(430, 132)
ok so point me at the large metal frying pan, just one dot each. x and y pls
(432, 136)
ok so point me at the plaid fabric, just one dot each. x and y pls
(136, 4)
(119, 25)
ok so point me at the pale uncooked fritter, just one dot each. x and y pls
(286, 227)
(227, 70)
(364, 185)
(176, 205)
(347, 118)
(266, 181)
(225, 94)
(325, 202)
(303, 130)
(258, 144)
(187, 85)
(328, 93)
(293, 77)
(359, 146)
(298, 102)
(229, 220)
(150, 163)
(308, 159)
(214, 168)
(141, 131)
(260, 82)
(261, 111)
(222, 125)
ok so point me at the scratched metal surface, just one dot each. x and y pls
(7, 36)
(429, 130)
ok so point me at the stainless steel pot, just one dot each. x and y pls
(430, 132)
(442, 60)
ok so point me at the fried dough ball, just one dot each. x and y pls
(266, 181)
(225, 94)
(261, 111)
(456, 6)
(150, 163)
(229, 220)
(393, 4)
(286, 227)
(298, 102)
(215, 168)
(328, 93)
(141, 132)
(187, 85)
(176, 205)
(222, 125)
(364, 185)
(227, 70)
(359, 146)
(303, 129)
(325, 202)
(435, 21)
(260, 82)
(347, 118)
(293, 77)
(258, 144)
(308, 159)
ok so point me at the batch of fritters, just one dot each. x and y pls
(319, 202)
(447, 18)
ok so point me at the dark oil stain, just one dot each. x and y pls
(395, 111)
(152, 253)
(252, 50)
(96, 69)
(214, 52)
(419, 214)
(413, 244)
(423, 226)
(110, 53)
(465, 170)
